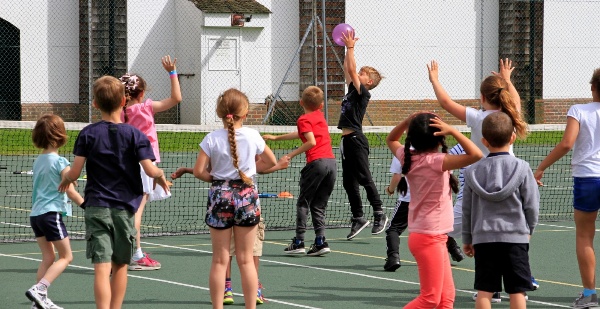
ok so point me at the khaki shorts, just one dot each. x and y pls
(110, 235)
(258, 242)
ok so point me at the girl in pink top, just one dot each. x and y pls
(139, 112)
(430, 211)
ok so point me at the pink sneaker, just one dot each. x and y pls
(145, 263)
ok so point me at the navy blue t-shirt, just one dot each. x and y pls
(113, 153)
(354, 106)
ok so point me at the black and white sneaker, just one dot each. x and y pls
(296, 247)
(358, 224)
(379, 223)
(318, 250)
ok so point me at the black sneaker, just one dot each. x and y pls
(455, 253)
(318, 250)
(296, 247)
(392, 263)
(379, 223)
(358, 224)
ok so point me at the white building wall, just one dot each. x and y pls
(571, 47)
(402, 38)
(49, 32)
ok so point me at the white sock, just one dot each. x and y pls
(138, 254)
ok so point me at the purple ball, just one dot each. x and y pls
(337, 33)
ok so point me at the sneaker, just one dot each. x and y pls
(380, 221)
(37, 296)
(495, 297)
(455, 253)
(586, 301)
(48, 304)
(260, 298)
(228, 297)
(358, 224)
(318, 250)
(33, 305)
(145, 263)
(296, 247)
(535, 284)
(392, 263)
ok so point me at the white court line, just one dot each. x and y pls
(345, 272)
(165, 281)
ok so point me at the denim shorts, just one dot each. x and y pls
(586, 193)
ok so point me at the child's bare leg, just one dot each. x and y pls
(102, 288)
(65, 256)
(484, 300)
(138, 221)
(118, 285)
(256, 261)
(220, 258)
(517, 301)
(244, 244)
(48, 256)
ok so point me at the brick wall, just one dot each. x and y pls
(381, 113)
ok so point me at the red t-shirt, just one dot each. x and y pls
(315, 122)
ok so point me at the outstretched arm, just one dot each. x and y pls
(349, 61)
(201, 168)
(285, 137)
(563, 147)
(506, 69)
(457, 110)
(163, 105)
(70, 175)
(310, 143)
(180, 171)
(283, 163)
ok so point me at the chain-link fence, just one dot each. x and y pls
(51, 51)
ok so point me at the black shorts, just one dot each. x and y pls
(49, 225)
(499, 261)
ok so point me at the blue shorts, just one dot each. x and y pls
(49, 225)
(586, 193)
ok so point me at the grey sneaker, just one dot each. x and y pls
(586, 301)
(358, 224)
(379, 223)
(37, 296)
(48, 304)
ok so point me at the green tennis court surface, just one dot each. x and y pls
(351, 276)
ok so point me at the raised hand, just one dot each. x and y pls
(168, 64)
(506, 69)
(349, 38)
(433, 71)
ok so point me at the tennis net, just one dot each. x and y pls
(184, 212)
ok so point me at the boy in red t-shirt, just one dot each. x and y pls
(317, 178)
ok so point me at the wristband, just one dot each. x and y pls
(173, 74)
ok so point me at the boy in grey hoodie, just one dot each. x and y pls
(500, 211)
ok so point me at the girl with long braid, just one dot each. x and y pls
(227, 160)
(430, 210)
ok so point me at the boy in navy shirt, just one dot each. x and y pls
(112, 153)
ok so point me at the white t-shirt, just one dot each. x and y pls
(396, 168)
(585, 160)
(216, 146)
(474, 120)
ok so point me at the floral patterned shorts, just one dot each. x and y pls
(232, 202)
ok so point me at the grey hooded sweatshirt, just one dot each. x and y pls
(500, 201)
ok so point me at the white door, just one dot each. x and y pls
(220, 69)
